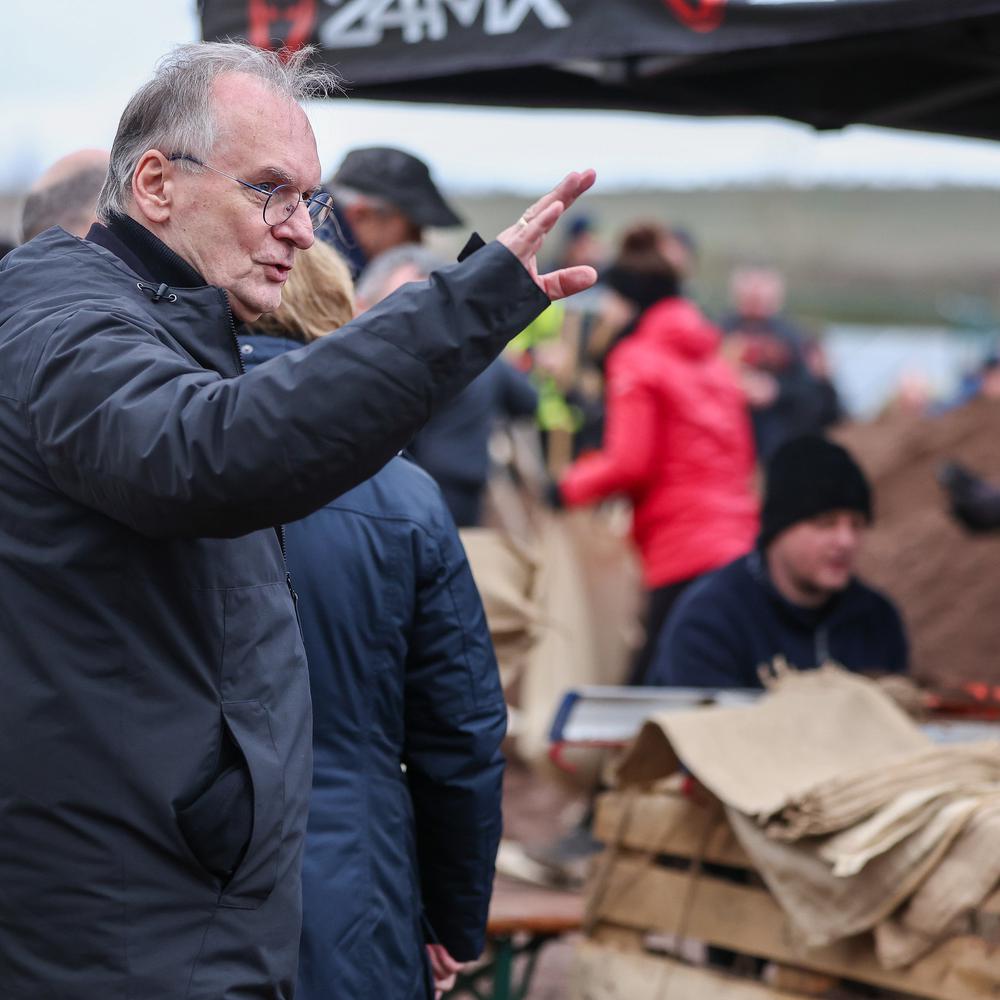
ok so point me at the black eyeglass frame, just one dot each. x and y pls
(321, 198)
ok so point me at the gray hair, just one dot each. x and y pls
(174, 111)
(372, 283)
(69, 203)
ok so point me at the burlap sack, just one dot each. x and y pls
(848, 798)
(825, 751)
(824, 908)
(851, 849)
(562, 610)
(963, 878)
(811, 727)
(507, 575)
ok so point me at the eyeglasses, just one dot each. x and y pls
(282, 200)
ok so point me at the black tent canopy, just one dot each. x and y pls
(931, 65)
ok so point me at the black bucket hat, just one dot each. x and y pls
(400, 179)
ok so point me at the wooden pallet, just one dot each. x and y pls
(602, 972)
(638, 893)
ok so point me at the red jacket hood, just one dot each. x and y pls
(681, 325)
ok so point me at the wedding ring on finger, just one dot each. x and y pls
(522, 223)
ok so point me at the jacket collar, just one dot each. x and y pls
(144, 252)
(197, 315)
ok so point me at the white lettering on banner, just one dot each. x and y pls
(359, 23)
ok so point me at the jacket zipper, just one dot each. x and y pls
(822, 647)
(280, 529)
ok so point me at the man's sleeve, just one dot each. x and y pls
(131, 428)
(455, 722)
(699, 647)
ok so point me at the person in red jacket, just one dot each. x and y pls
(677, 441)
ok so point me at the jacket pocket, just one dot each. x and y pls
(217, 824)
(252, 882)
(234, 826)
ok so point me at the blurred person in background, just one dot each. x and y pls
(453, 445)
(677, 438)
(795, 595)
(383, 197)
(66, 195)
(982, 382)
(408, 714)
(785, 378)
(681, 249)
(582, 244)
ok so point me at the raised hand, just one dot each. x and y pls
(524, 239)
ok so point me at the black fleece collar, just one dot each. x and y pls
(145, 253)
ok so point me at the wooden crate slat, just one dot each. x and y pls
(621, 939)
(601, 972)
(745, 919)
(668, 824)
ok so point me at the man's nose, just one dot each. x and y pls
(848, 534)
(297, 228)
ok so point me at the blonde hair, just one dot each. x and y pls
(318, 297)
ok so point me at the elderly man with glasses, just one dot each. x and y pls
(155, 720)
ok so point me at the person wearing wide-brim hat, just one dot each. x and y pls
(384, 197)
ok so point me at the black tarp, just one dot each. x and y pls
(930, 65)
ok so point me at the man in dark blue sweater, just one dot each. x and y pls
(795, 595)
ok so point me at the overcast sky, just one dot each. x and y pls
(69, 66)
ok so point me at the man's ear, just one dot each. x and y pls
(152, 186)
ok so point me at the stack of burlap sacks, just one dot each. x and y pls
(562, 601)
(853, 818)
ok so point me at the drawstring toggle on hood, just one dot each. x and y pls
(161, 292)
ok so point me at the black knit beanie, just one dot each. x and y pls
(806, 477)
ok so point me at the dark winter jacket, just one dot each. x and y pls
(155, 721)
(734, 620)
(454, 445)
(402, 672)
(678, 443)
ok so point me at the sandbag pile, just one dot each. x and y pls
(853, 818)
(945, 580)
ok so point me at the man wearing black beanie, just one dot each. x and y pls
(795, 595)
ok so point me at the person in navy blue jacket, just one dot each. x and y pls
(408, 715)
(795, 595)
(454, 445)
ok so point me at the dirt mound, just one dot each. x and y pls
(946, 581)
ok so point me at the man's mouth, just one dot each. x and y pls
(276, 271)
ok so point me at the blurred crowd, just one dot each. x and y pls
(744, 382)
